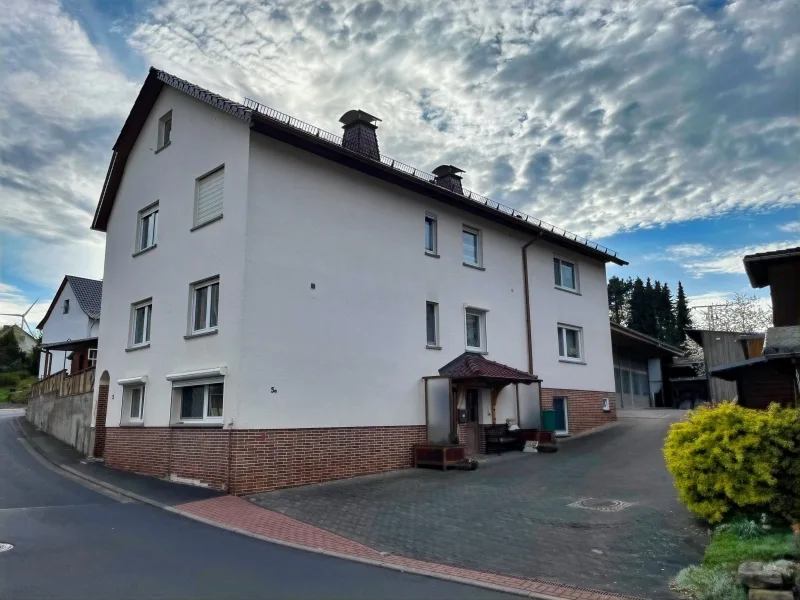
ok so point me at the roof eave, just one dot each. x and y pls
(148, 94)
(668, 348)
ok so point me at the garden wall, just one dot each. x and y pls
(67, 418)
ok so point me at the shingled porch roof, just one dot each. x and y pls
(475, 367)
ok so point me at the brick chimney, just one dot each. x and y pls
(359, 133)
(448, 177)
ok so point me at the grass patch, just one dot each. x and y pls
(708, 583)
(727, 550)
(19, 393)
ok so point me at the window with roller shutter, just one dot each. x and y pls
(210, 193)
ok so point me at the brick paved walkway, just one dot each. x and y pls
(515, 515)
(242, 515)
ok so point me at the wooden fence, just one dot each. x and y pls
(65, 385)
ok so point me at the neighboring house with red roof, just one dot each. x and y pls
(275, 294)
(71, 326)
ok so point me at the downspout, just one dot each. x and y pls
(528, 326)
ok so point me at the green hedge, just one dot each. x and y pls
(729, 460)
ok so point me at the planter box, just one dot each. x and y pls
(438, 455)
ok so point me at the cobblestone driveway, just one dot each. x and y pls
(512, 515)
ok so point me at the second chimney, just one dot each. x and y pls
(448, 177)
(359, 133)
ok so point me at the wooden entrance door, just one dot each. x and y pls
(471, 426)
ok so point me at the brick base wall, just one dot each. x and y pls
(139, 449)
(584, 408)
(262, 459)
(100, 422)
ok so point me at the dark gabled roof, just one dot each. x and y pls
(696, 335)
(756, 265)
(731, 371)
(474, 366)
(782, 340)
(88, 292)
(285, 128)
(19, 333)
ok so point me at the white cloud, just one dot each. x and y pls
(63, 102)
(14, 301)
(598, 118)
(700, 260)
(793, 227)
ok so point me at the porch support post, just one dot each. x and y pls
(495, 393)
(516, 392)
(453, 412)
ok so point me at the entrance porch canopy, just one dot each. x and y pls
(469, 370)
(473, 370)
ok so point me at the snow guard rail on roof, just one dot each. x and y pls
(336, 140)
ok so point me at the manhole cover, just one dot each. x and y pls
(5, 547)
(600, 504)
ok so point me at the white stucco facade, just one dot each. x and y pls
(323, 285)
(61, 327)
(203, 139)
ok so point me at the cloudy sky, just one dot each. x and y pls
(665, 129)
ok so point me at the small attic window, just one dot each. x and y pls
(165, 130)
(66, 306)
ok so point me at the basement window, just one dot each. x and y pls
(132, 404)
(198, 401)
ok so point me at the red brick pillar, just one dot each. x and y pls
(100, 422)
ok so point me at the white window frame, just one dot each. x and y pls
(558, 286)
(148, 323)
(144, 214)
(126, 418)
(140, 416)
(197, 183)
(435, 343)
(481, 314)
(162, 125)
(65, 306)
(562, 340)
(92, 357)
(177, 397)
(478, 246)
(434, 234)
(192, 305)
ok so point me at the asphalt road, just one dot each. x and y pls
(72, 542)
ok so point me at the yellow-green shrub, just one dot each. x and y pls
(728, 459)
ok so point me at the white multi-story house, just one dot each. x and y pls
(274, 296)
(70, 327)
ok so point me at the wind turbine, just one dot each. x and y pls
(23, 323)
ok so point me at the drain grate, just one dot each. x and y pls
(5, 547)
(600, 504)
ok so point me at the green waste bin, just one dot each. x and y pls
(548, 420)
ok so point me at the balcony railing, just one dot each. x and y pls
(336, 140)
(65, 385)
